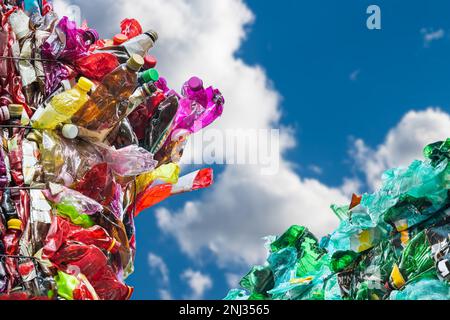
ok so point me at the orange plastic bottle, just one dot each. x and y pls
(95, 117)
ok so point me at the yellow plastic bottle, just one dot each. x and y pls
(64, 105)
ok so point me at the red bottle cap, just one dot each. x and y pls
(120, 38)
(150, 62)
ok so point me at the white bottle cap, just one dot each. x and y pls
(70, 131)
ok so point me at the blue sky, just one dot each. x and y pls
(338, 83)
(310, 49)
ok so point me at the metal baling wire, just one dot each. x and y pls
(16, 256)
(34, 260)
(31, 59)
(27, 127)
(9, 126)
(28, 59)
(20, 257)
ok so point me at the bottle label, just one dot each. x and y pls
(27, 270)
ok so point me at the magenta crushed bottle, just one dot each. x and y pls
(199, 107)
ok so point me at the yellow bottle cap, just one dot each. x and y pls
(15, 110)
(135, 62)
(85, 84)
(397, 278)
(15, 224)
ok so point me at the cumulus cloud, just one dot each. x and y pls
(403, 144)
(243, 207)
(202, 37)
(198, 282)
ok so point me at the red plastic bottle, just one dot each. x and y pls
(11, 243)
(62, 231)
(89, 260)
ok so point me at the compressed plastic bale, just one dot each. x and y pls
(387, 243)
(424, 289)
(89, 188)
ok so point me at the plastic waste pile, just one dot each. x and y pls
(90, 137)
(392, 244)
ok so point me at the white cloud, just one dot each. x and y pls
(243, 207)
(201, 37)
(403, 144)
(198, 282)
(157, 264)
(350, 186)
(430, 35)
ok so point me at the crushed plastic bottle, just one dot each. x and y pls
(106, 102)
(63, 106)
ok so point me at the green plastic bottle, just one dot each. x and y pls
(288, 239)
(64, 105)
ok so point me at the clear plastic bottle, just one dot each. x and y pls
(64, 105)
(95, 118)
(19, 22)
(139, 45)
(139, 96)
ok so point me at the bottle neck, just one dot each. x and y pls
(149, 89)
(140, 44)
